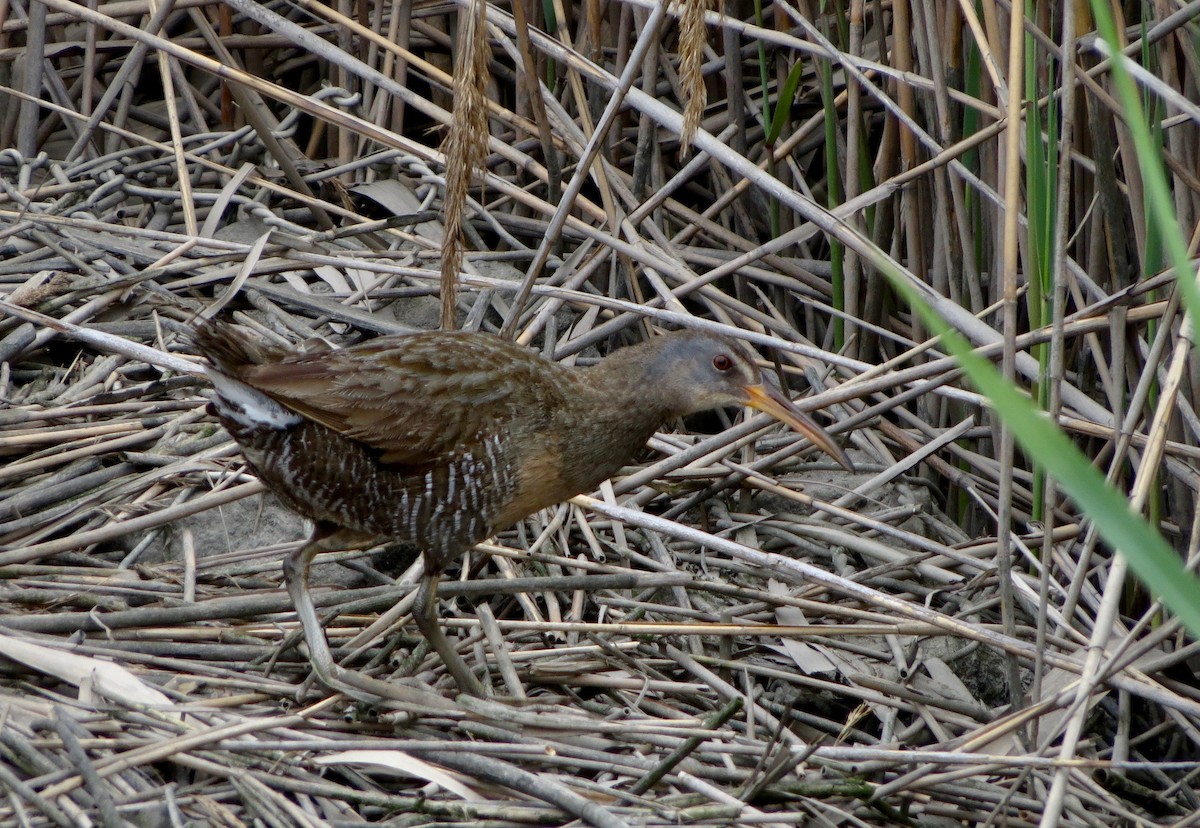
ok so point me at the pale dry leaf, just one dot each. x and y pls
(85, 672)
(939, 681)
(405, 765)
(333, 277)
(812, 659)
(1054, 682)
(396, 197)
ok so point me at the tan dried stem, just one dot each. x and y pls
(692, 37)
(464, 146)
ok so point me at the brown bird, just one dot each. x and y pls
(443, 439)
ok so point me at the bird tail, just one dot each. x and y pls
(241, 407)
(229, 349)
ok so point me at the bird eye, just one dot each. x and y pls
(722, 362)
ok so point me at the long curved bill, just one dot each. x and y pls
(774, 402)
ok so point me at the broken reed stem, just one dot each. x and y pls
(464, 147)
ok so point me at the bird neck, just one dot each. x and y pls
(647, 376)
(616, 409)
(634, 383)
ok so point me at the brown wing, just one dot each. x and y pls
(417, 399)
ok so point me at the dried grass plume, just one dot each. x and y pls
(464, 146)
(692, 37)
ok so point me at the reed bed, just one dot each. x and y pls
(731, 631)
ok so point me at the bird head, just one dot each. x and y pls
(699, 371)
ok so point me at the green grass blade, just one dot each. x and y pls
(1148, 554)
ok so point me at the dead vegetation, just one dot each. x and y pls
(735, 632)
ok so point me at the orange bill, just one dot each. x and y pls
(774, 402)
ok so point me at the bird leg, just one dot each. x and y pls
(352, 683)
(425, 616)
(295, 575)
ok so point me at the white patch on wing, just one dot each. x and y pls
(250, 407)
